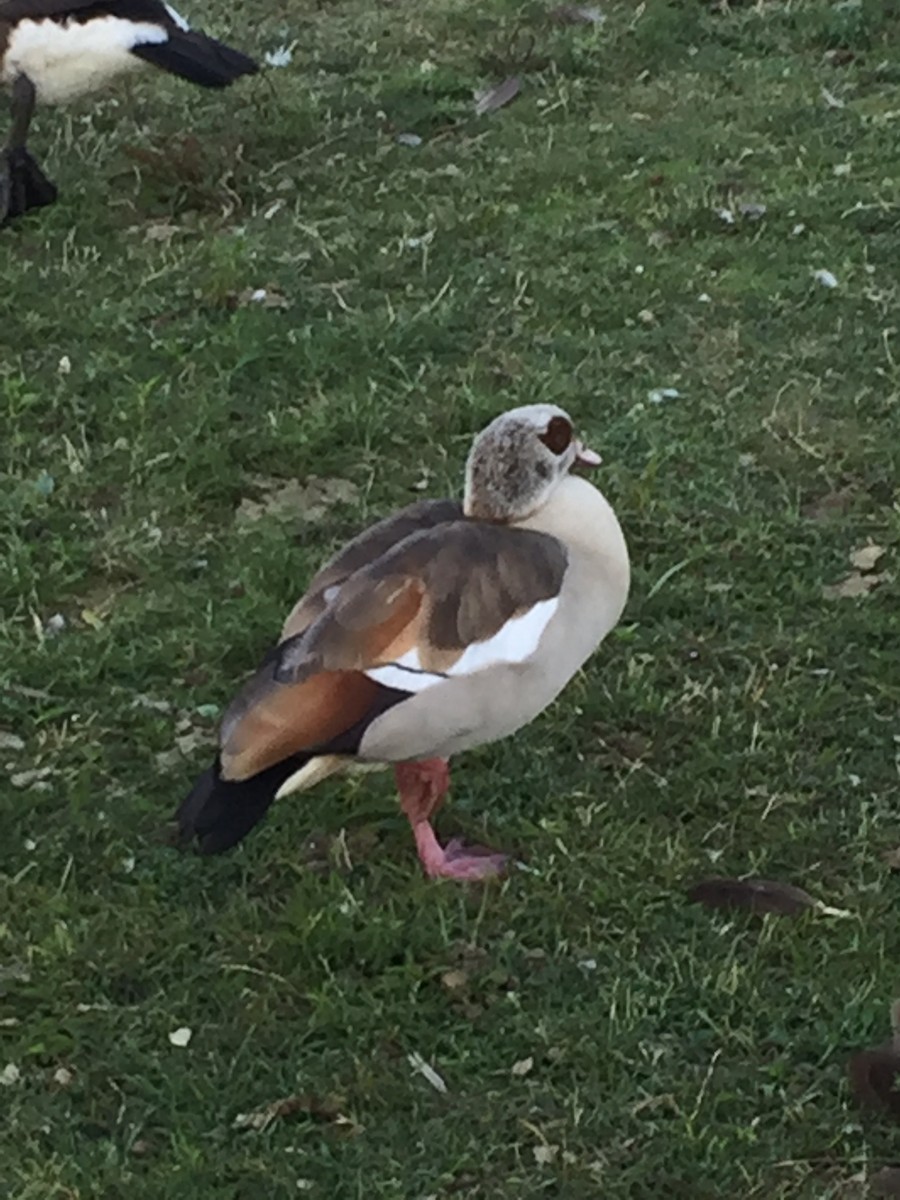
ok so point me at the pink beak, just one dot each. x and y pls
(587, 458)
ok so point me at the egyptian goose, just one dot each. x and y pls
(54, 51)
(442, 627)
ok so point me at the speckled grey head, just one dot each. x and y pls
(518, 460)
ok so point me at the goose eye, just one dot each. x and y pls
(558, 435)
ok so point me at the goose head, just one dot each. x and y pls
(517, 462)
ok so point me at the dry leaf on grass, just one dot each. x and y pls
(421, 1067)
(325, 1109)
(188, 740)
(160, 231)
(454, 980)
(523, 1066)
(282, 56)
(885, 1182)
(832, 504)
(852, 585)
(758, 895)
(865, 557)
(290, 500)
(875, 1074)
(490, 99)
(10, 1075)
(875, 1080)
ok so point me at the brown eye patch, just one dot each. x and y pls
(558, 435)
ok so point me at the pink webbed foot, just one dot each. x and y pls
(422, 786)
(455, 860)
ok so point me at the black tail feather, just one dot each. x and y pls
(198, 58)
(218, 813)
(28, 186)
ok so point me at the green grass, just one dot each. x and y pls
(738, 721)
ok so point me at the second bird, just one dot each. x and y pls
(56, 51)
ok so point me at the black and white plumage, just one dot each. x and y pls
(55, 51)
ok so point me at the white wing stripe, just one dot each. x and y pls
(403, 679)
(516, 641)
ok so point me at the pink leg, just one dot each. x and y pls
(422, 787)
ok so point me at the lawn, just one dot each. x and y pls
(648, 214)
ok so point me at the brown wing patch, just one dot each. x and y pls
(287, 719)
(487, 576)
(439, 591)
(364, 550)
(302, 615)
(372, 622)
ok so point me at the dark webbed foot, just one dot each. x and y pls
(23, 185)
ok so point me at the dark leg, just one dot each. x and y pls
(23, 98)
(23, 185)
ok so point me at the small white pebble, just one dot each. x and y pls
(639, 269)
(62, 1076)
(588, 964)
(258, 295)
(825, 278)
(128, 864)
(54, 625)
(181, 1036)
(855, 780)
(657, 395)
(705, 298)
(798, 229)
(30, 844)
(10, 1075)
(64, 366)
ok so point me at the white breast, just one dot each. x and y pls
(65, 60)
